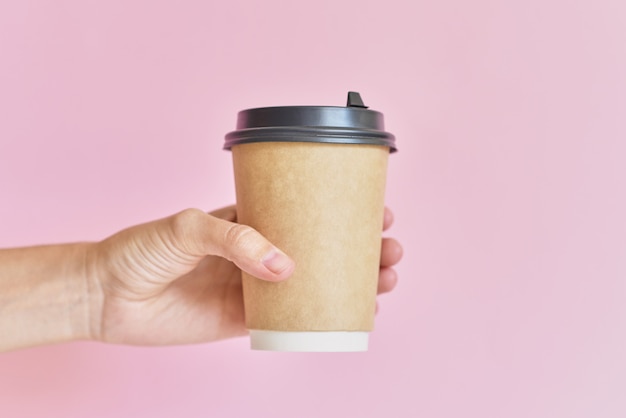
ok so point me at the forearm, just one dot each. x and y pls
(45, 295)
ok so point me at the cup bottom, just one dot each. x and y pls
(309, 341)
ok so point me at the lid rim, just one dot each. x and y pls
(339, 140)
(309, 130)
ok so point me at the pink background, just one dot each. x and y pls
(508, 191)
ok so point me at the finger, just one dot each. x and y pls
(387, 280)
(202, 234)
(390, 252)
(228, 213)
(387, 219)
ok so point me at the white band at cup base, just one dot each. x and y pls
(311, 341)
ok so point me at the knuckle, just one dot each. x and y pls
(186, 222)
(238, 236)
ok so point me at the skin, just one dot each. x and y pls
(171, 281)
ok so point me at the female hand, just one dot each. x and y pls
(177, 280)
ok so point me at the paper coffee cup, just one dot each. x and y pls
(312, 180)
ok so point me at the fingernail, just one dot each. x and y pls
(276, 261)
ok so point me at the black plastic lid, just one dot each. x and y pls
(353, 124)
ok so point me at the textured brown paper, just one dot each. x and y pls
(322, 204)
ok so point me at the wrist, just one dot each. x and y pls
(82, 281)
(91, 274)
(48, 294)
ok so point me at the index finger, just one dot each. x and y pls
(387, 219)
(228, 213)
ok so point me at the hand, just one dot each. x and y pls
(177, 280)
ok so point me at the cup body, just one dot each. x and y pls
(322, 204)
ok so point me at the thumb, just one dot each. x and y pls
(201, 234)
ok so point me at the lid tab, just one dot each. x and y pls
(354, 100)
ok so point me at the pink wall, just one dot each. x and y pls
(508, 191)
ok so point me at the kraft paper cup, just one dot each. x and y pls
(322, 203)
